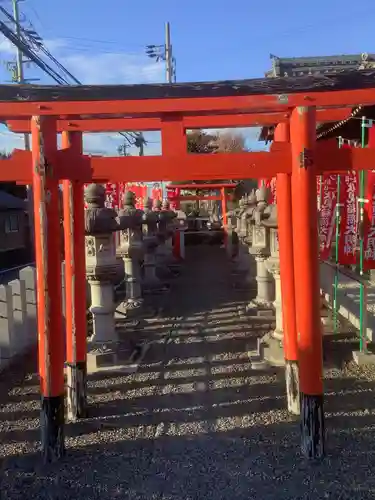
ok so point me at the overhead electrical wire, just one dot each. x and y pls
(23, 44)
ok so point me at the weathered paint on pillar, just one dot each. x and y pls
(285, 233)
(75, 287)
(306, 271)
(49, 294)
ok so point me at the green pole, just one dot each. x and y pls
(362, 289)
(337, 236)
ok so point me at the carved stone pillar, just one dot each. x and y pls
(163, 253)
(131, 250)
(273, 266)
(151, 282)
(261, 250)
(101, 270)
(246, 237)
(170, 227)
(100, 224)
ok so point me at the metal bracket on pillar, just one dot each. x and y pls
(306, 159)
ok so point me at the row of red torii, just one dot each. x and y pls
(295, 158)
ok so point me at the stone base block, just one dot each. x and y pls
(257, 357)
(115, 358)
(363, 358)
(259, 309)
(273, 351)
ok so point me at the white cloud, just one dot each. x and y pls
(94, 68)
(113, 68)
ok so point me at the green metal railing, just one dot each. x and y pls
(338, 269)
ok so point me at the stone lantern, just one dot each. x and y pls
(170, 225)
(101, 270)
(151, 282)
(131, 249)
(163, 253)
(260, 248)
(273, 266)
(248, 204)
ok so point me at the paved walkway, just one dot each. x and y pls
(195, 422)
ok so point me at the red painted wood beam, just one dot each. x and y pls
(66, 165)
(197, 105)
(202, 187)
(194, 198)
(189, 122)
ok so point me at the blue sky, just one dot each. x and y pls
(103, 41)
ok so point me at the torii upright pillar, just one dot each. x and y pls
(75, 286)
(49, 293)
(306, 271)
(285, 234)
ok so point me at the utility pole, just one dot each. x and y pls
(19, 58)
(168, 53)
(164, 53)
(20, 78)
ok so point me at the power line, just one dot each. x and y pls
(25, 41)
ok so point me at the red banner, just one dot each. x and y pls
(369, 212)
(327, 214)
(157, 193)
(140, 191)
(348, 235)
(112, 195)
(172, 195)
(271, 185)
(369, 223)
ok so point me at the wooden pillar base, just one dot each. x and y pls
(292, 386)
(77, 390)
(312, 426)
(52, 427)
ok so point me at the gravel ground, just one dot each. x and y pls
(195, 422)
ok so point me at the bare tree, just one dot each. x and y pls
(229, 142)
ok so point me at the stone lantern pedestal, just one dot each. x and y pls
(260, 249)
(131, 250)
(105, 351)
(164, 254)
(273, 342)
(263, 302)
(101, 270)
(273, 266)
(151, 282)
(245, 260)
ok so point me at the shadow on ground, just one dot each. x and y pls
(195, 421)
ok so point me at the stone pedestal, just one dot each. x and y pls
(131, 254)
(102, 310)
(263, 302)
(101, 270)
(265, 287)
(151, 282)
(104, 345)
(274, 351)
(273, 266)
(278, 333)
(105, 348)
(242, 259)
(131, 250)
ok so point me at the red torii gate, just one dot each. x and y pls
(300, 102)
(223, 187)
